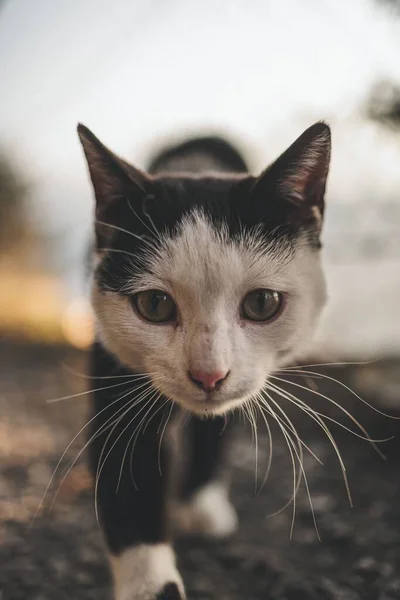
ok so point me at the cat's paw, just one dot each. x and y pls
(209, 512)
(147, 572)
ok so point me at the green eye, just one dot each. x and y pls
(261, 305)
(155, 306)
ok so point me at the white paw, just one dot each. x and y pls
(147, 572)
(209, 512)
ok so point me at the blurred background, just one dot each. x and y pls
(142, 75)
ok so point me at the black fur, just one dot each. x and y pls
(170, 592)
(134, 511)
(188, 155)
(207, 452)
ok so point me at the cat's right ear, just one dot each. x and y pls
(114, 180)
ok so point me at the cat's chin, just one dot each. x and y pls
(211, 408)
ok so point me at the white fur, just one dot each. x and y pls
(209, 512)
(141, 572)
(208, 275)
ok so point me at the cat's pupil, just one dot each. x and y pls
(261, 305)
(155, 306)
(156, 300)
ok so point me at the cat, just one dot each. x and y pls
(205, 280)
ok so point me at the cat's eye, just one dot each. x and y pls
(261, 305)
(155, 306)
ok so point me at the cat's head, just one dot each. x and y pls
(210, 283)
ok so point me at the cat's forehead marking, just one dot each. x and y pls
(203, 258)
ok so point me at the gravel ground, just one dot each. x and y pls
(60, 555)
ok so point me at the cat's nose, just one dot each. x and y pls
(208, 381)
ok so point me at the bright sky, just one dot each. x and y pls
(139, 72)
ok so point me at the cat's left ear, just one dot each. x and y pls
(114, 182)
(297, 179)
(112, 177)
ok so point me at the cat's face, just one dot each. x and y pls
(209, 284)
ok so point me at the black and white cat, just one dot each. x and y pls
(206, 280)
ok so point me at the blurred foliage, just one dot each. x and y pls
(12, 198)
(384, 104)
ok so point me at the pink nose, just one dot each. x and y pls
(208, 381)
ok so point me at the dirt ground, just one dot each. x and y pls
(59, 554)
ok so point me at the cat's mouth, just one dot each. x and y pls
(212, 403)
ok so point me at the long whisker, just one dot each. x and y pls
(254, 420)
(101, 465)
(296, 479)
(152, 232)
(162, 435)
(333, 364)
(106, 387)
(133, 376)
(118, 251)
(289, 425)
(166, 401)
(106, 425)
(349, 389)
(137, 429)
(69, 446)
(299, 454)
(289, 428)
(345, 411)
(142, 396)
(322, 424)
(263, 403)
(122, 230)
(248, 412)
(146, 213)
(270, 446)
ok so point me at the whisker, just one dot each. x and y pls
(349, 389)
(299, 455)
(133, 434)
(292, 429)
(247, 411)
(270, 446)
(122, 230)
(133, 376)
(106, 425)
(152, 232)
(162, 436)
(146, 213)
(118, 251)
(69, 446)
(101, 465)
(296, 479)
(142, 397)
(163, 405)
(289, 429)
(334, 364)
(297, 402)
(107, 387)
(345, 411)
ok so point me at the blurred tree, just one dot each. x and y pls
(384, 104)
(12, 196)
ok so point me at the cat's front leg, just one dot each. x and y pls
(131, 473)
(204, 508)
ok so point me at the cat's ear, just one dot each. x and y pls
(114, 182)
(298, 177)
(111, 176)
